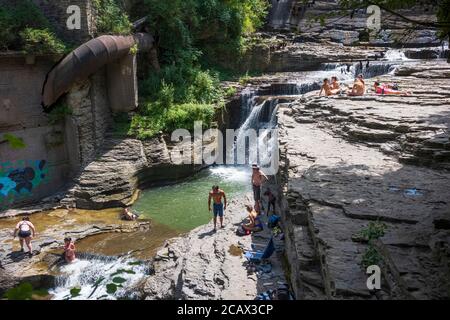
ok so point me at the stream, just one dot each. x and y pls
(180, 208)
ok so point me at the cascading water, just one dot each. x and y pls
(93, 277)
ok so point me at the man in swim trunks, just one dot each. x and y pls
(258, 177)
(25, 230)
(216, 194)
(359, 87)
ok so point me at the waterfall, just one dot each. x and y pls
(280, 13)
(97, 277)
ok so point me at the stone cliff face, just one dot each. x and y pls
(348, 27)
(350, 161)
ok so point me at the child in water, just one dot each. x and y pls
(69, 250)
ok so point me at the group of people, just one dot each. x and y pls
(253, 222)
(26, 231)
(333, 87)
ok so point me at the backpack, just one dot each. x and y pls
(273, 221)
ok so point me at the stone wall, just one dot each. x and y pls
(56, 12)
(41, 165)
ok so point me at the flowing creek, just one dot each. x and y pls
(116, 261)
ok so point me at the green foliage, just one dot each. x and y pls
(371, 257)
(189, 33)
(230, 92)
(41, 41)
(119, 280)
(23, 26)
(111, 288)
(372, 232)
(75, 292)
(58, 113)
(24, 291)
(14, 141)
(111, 18)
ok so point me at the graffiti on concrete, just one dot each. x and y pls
(20, 178)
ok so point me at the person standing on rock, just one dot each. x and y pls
(26, 231)
(258, 178)
(216, 194)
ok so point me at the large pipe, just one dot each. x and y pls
(88, 59)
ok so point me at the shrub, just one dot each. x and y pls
(17, 16)
(111, 18)
(183, 116)
(41, 41)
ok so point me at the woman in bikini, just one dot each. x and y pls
(26, 231)
(384, 88)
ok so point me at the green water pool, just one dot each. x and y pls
(184, 206)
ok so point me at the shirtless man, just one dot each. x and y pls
(335, 86)
(325, 88)
(216, 194)
(26, 231)
(359, 87)
(258, 177)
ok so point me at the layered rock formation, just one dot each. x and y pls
(347, 162)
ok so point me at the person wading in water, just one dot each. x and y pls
(216, 194)
(26, 231)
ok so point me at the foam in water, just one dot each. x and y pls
(86, 273)
(395, 55)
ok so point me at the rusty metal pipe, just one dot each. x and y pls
(88, 59)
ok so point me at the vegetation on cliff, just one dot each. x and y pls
(190, 36)
(23, 27)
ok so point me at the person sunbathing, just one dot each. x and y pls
(386, 88)
(328, 88)
(335, 86)
(359, 87)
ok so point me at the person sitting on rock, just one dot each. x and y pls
(325, 88)
(386, 88)
(359, 87)
(128, 215)
(335, 86)
(254, 221)
(69, 250)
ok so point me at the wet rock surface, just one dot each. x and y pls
(350, 161)
(51, 229)
(208, 265)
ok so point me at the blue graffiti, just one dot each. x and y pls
(21, 177)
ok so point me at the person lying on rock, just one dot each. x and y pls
(254, 221)
(26, 231)
(218, 207)
(128, 215)
(69, 250)
(388, 88)
(359, 87)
